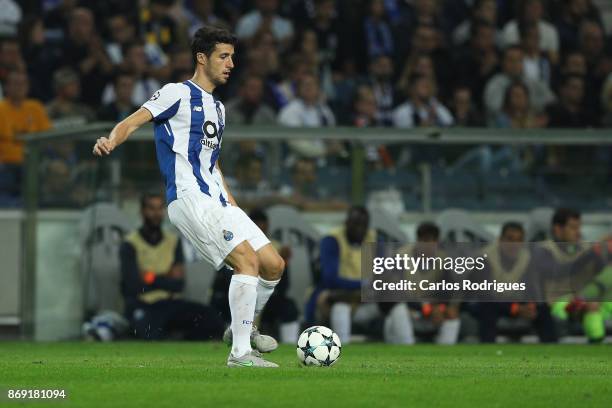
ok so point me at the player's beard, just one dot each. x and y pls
(215, 79)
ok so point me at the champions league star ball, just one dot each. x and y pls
(318, 346)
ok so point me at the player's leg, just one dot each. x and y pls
(242, 299)
(270, 270)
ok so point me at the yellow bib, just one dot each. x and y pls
(350, 255)
(154, 258)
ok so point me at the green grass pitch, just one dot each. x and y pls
(186, 375)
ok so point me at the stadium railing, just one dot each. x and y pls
(426, 170)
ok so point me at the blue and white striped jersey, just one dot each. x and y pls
(189, 125)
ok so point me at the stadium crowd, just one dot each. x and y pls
(311, 63)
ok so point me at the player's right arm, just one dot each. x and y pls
(105, 145)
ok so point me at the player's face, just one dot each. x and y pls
(220, 64)
(153, 211)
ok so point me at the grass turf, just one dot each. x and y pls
(188, 375)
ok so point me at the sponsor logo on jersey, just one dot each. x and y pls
(197, 109)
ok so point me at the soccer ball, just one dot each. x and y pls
(318, 346)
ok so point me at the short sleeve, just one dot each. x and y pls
(164, 103)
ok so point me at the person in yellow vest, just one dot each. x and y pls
(508, 261)
(564, 249)
(443, 315)
(339, 289)
(337, 298)
(18, 115)
(152, 279)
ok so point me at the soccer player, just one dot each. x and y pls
(189, 124)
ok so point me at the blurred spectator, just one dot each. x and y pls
(41, 54)
(464, 110)
(10, 59)
(598, 59)
(203, 13)
(536, 64)
(570, 111)
(181, 64)
(297, 68)
(265, 18)
(517, 112)
(364, 108)
(9, 18)
(248, 108)
(380, 76)
(427, 39)
(573, 14)
(606, 102)
(65, 109)
(306, 192)
(158, 27)
(422, 109)
(509, 261)
(19, 115)
(364, 115)
(308, 111)
(532, 12)
(84, 50)
(417, 64)
(135, 63)
(327, 28)
(152, 279)
(512, 70)
(57, 18)
(483, 11)
(122, 106)
(264, 62)
(377, 31)
(478, 60)
(443, 316)
(248, 185)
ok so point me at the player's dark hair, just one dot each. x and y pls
(207, 37)
(512, 225)
(563, 215)
(427, 230)
(146, 196)
(258, 214)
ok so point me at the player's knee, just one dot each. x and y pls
(273, 268)
(278, 267)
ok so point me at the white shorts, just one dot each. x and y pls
(212, 229)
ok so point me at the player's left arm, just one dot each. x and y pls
(230, 197)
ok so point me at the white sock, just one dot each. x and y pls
(398, 326)
(289, 332)
(242, 296)
(448, 332)
(265, 288)
(340, 321)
